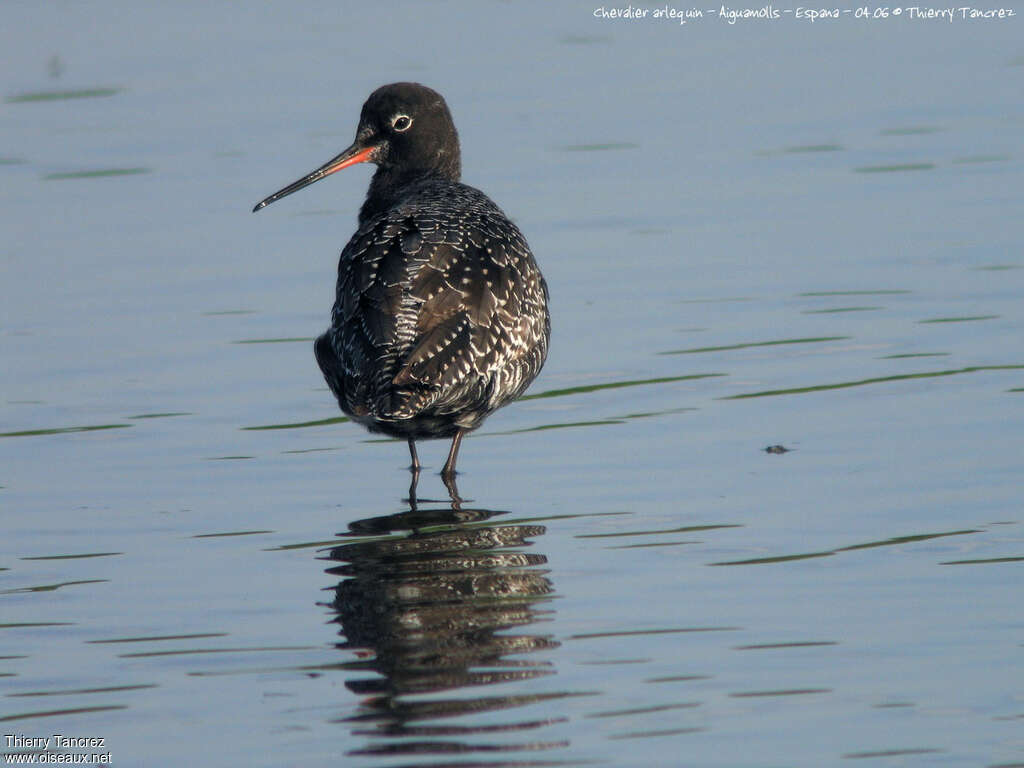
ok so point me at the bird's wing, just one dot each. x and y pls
(430, 304)
(467, 294)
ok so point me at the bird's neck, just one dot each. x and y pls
(389, 185)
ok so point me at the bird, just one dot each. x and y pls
(441, 312)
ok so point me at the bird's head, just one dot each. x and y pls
(405, 129)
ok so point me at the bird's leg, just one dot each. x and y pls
(412, 489)
(415, 466)
(448, 471)
(414, 470)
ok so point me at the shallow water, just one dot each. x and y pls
(767, 235)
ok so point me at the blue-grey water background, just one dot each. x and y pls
(768, 233)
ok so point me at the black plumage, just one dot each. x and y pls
(441, 312)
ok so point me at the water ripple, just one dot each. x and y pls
(876, 380)
(81, 93)
(896, 540)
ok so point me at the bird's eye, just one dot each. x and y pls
(401, 122)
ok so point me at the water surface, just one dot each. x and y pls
(761, 508)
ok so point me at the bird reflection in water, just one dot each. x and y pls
(435, 605)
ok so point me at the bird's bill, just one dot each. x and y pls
(357, 153)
